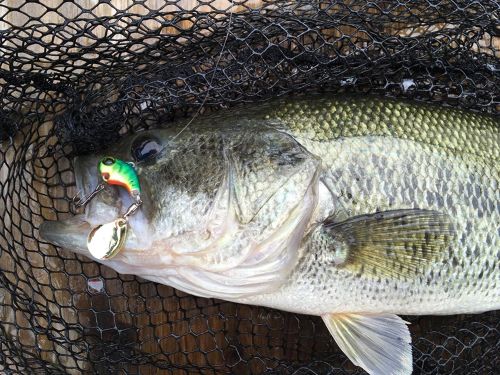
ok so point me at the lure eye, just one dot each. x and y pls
(108, 161)
(145, 147)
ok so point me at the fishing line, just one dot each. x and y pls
(213, 76)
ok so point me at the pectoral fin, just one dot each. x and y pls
(393, 244)
(380, 344)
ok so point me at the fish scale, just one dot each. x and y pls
(331, 118)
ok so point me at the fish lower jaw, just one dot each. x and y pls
(69, 234)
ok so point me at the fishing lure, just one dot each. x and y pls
(106, 240)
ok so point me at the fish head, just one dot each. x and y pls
(219, 208)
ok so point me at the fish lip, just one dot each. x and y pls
(70, 233)
(86, 180)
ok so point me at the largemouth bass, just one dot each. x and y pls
(354, 209)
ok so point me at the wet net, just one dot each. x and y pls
(75, 76)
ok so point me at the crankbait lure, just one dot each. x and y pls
(106, 240)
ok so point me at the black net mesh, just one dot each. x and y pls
(75, 76)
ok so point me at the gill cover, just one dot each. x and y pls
(230, 210)
(266, 193)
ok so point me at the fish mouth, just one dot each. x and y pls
(72, 233)
(107, 206)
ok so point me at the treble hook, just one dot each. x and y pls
(79, 202)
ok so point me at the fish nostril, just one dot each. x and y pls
(206, 234)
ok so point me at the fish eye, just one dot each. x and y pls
(108, 160)
(145, 147)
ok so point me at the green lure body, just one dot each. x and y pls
(117, 172)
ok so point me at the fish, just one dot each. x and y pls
(355, 209)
